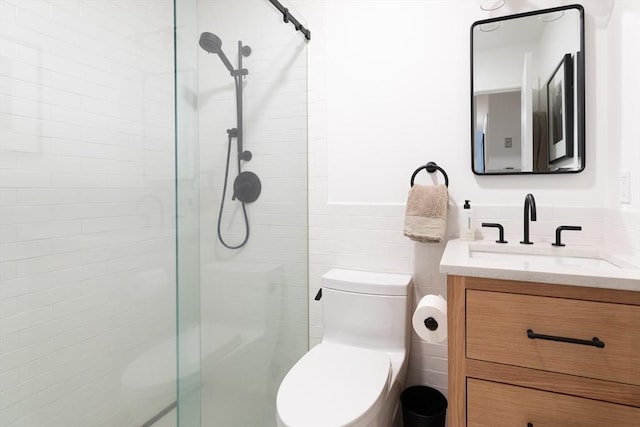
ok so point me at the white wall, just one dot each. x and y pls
(389, 91)
(86, 208)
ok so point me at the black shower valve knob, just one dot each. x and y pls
(246, 187)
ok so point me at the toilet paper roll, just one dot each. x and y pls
(430, 318)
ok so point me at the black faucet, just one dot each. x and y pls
(500, 230)
(529, 206)
(561, 229)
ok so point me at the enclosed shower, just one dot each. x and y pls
(132, 136)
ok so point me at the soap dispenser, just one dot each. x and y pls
(467, 232)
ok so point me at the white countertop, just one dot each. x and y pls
(612, 274)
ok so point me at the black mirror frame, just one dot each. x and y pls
(579, 85)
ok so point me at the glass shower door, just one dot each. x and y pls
(242, 249)
(87, 246)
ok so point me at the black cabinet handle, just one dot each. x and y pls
(594, 342)
(529, 424)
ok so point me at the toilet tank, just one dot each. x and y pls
(366, 309)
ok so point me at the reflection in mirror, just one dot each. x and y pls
(527, 85)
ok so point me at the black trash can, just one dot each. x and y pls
(423, 406)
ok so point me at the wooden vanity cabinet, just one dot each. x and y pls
(533, 354)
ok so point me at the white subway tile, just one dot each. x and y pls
(26, 319)
(22, 250)
(21, 391)
(8, 379)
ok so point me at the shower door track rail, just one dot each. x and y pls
(157, 417)
(287, 17)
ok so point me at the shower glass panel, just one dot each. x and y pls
(251, 96)
(87, 213)
(188, 412)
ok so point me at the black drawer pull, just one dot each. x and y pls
(595, 342)
(529, 424)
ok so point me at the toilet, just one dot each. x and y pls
(353, 378)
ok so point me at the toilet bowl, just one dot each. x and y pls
(353, 378)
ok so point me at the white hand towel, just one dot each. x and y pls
(426, 214)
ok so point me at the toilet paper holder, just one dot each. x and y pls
(431, 323)
(429, 319)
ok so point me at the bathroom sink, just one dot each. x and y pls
(580, 265)
(537, 258)
(544, 256)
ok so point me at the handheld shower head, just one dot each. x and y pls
(212, 44)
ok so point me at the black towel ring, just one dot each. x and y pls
(431, 167)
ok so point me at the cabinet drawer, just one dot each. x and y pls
(497, 325)
(492, 404)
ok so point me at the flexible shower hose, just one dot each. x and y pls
(224, 195)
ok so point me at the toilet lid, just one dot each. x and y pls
(332, 385)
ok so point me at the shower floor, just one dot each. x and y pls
(237, 408)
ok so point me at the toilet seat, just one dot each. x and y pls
(333, 385)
